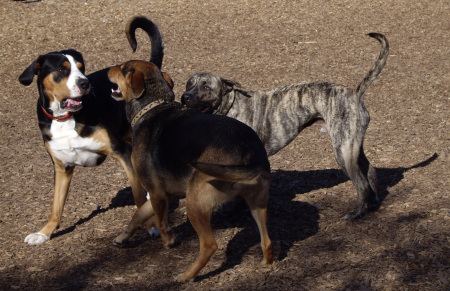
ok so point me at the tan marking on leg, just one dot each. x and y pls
(199, 210)
(139, 193)
(257, 198)
(63, 177)
(144, 213)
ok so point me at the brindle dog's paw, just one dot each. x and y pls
(373, 203)
(352, 216)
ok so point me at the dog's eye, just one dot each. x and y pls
(206, 87)
(64, 70)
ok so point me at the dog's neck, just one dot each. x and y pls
(229, 99)
(146, 109)
(57, 118)
(226, 104)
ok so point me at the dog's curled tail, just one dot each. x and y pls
(152, 31)
(231, 173)
(362, 87)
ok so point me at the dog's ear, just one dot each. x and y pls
(137, 84)
(26, 78)
(228, 85)
(168, 79)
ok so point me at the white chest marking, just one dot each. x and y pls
(71, 148)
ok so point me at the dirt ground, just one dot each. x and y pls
(402, 246)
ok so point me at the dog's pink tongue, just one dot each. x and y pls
(73, 102)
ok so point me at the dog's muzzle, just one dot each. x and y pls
(190, 101)
(84, 85)
(116, 93)
(75, 103)
(72, 104)
(187, 99)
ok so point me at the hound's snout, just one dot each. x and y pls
(187, 99)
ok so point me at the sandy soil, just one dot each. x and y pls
(402, 246)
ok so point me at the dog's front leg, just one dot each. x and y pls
(146, 214)
(139, 193)
(160, 205)
(63, 176)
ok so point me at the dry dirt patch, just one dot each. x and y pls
(402, 246)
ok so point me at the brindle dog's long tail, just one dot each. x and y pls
(152, 31)
(362, 87)
(231, 173)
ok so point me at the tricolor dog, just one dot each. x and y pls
(178, 151)
(80, 123)
(280, 114)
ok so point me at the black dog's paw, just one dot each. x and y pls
(373, 203)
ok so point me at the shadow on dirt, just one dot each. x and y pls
(289, 221)
(27, 1)
(123, 198)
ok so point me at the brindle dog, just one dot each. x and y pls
(280, 114)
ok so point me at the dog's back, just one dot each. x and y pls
(180, 136)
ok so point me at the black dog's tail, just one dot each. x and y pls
(362, 87)
(152, 31)
(231, 173)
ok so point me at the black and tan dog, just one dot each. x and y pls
(80, 123)
(178, 151)
(280, 114)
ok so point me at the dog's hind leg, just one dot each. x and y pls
(354, 163)
(257, 201)
(373, 201)
(201, 201)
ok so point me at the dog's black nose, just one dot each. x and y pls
(187, 99)
(83, 83)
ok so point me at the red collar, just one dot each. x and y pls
(59, 118)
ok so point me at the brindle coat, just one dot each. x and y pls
(279, 115)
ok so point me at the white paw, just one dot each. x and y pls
(154, 232)
(36, 238)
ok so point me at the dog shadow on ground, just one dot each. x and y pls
(289, 221)
(123, 198)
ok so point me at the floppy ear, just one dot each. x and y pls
(26, 78)
(168, 79)
(136, 81)
(228, 85)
